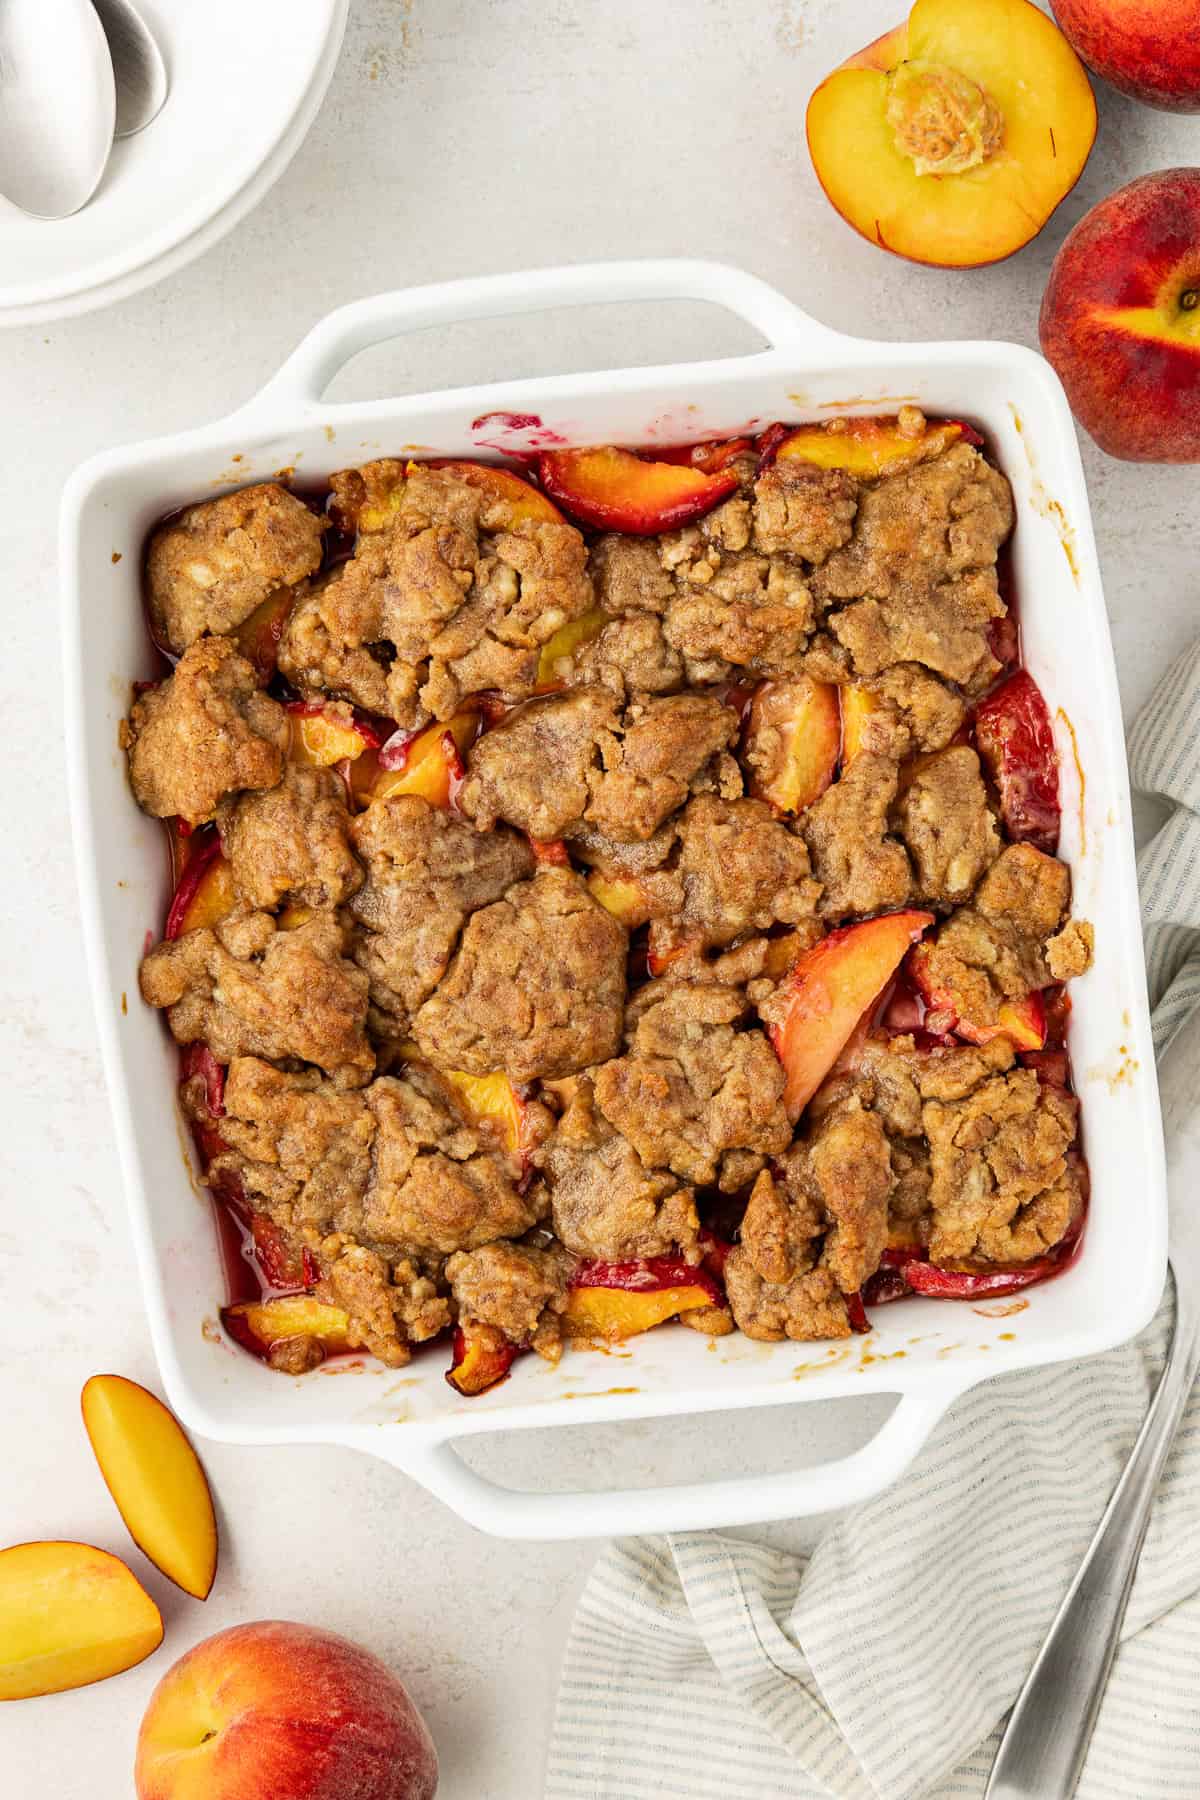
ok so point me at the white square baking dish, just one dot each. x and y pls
(927, 1352)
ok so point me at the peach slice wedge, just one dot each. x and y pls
(1024, 1020)
(205, 894)
(830, 987)
(952, 139)
(492, 1100)
(858, 704)
(566, 640)
(611, 1301)
(622, 896)
(366, 499)
(427, 763)
(516, 500)
(791, 742)
(321, 737)
(155, 1478)
(258, 1325)
(614, 490)
(1015, 739)
(69, 1615)
(479, 1358)
(869, 447)
(258, 636)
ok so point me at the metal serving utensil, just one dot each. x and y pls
(57, 104)
(141, 73)
(1043, 1748)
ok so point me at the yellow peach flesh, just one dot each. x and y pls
(69, 1615)
(156, 1479)
(1010, 53)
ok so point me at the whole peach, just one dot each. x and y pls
(1121, 319)
(1147, 48)
(286, 1711)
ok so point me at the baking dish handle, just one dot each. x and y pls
(692, 1506)
(343, 334)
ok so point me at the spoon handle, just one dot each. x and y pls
(1046, 1741)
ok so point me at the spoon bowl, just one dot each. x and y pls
(57, 105)
(141, 73)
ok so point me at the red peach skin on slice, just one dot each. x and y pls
(1015, 739)
(828, 991)
(614, 490)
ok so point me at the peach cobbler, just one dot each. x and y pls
(618, 891)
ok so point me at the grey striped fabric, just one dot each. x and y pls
(708, 1668)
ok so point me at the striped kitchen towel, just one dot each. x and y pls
(709, 1668)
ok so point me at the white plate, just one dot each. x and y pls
(247, 79)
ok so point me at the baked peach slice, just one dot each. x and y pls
(427, 763)
(791, 742)
(620, 895)
(155, 1478)
(366, 499)
(828, 991)
(1023, 1021)
(616, 490)
(322, 736)
(871, 447)
(69, 1615)
(479, 1358)
(205, 894)
(492, 1100)
(566, 640)
(258, 1325)
(521, 500)
(616, 1300)
(1015, 740)
(258, 636)
(857, 704)
(952, 139)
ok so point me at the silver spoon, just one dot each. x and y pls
(57, 104)
(1046, 1741)
(141, 73)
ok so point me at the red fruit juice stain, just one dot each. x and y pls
(514, 434)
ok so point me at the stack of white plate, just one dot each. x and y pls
(247, 80)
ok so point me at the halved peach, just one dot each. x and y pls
(952, 139)
(620, 895)
(321, 737)
(69, 1615)
(614, 490)
(155, 1478)
(258, 636)
(494, 1101)
(566, 640)
(205, 893)
(1024, 1020)
(479, 1358)
(827, 993)
(258, 1325)
(791, 742)
(428, 763)
(869, 447)
(612, 1301)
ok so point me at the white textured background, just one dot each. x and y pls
(459, 136)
